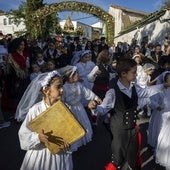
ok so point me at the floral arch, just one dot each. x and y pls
(82, 7)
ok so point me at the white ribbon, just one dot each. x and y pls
(74, 69)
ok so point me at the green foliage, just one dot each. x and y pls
(18, 15)
(43, 27)
(58, 29)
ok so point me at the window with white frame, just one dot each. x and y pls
(10, 21)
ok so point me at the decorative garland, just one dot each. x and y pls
(79, 6)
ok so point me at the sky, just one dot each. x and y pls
(141, 5)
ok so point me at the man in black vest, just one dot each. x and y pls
(121, 100)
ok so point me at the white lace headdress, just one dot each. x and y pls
(32, 94)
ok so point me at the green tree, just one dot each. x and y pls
(43, 27)
(32, 27)
(18, 15)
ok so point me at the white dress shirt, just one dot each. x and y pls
(109, 100)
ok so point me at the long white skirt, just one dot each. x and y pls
(163, 146)
(43, 159)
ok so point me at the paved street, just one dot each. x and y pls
(93, 156)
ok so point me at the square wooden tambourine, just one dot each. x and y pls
(58, 124)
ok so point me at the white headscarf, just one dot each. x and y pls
(32, 94)
(85, 52)
(66, 69)
(148, 66)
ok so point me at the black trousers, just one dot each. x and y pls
(124, 145)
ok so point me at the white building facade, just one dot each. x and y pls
(8, 27)
(124, 17)
(153, 30)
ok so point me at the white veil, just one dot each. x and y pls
(32, 94)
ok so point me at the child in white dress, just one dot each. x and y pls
(38, 157)
(145, 76)
(140, 70)
(163, 146)
(84, 67)
(144, 81)
(159, 97)
(74, 91)
(155, 122)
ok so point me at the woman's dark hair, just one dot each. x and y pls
(124, 65)
(14, 44)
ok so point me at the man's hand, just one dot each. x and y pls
(97, 73)
(98, 101)
(47, 137)
(43, 138)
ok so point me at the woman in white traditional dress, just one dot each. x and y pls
(163, 146)
(73, 92)
(38, 157)
(84, 67)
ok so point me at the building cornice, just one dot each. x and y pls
(148, 19)
(129, 10)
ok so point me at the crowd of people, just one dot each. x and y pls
(117, 81)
